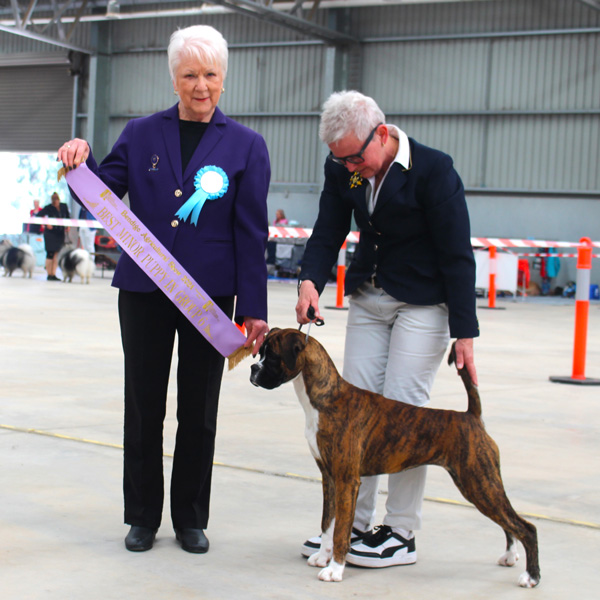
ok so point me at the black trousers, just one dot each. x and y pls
(149, 322)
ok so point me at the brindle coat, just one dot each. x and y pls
(363, 433)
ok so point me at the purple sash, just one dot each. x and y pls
(156, 261)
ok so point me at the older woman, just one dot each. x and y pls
(155, 161)
(411, 286)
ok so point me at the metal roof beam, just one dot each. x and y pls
(260, 11)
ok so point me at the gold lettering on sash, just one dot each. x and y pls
(176, 270)
(107, 195)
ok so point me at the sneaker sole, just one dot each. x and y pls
(308, 550)
(370, 562)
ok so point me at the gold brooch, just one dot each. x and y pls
(355, 180)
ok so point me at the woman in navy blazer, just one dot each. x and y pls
(411, 285)
(155, 161)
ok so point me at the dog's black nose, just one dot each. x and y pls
(254, 370)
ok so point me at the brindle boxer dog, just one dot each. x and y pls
(352, 432)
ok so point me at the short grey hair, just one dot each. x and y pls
(348, 112)
(200, 41)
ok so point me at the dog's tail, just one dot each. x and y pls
(472, 391)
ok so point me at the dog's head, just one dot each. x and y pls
(280, 358)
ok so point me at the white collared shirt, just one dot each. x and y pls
(402, 158)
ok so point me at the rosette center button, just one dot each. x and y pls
(178, 193)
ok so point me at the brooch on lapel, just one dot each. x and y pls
(356, 180)
(211, 183)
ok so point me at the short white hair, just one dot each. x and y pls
(348, 112)
(200, 41)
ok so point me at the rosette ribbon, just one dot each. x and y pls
(211, 183)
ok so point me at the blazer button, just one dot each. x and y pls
(174, 223)
(178, 193)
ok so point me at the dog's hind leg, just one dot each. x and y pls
(484, 488)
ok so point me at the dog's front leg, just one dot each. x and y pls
(345, 506)
(323, 556)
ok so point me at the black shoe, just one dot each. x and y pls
(384, 548)
(53, 278)
(192, 540)
(140, 539)
(313, 544)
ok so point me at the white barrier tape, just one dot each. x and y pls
(304, 232)
(544, 254)
(63, 222)
(515, 243)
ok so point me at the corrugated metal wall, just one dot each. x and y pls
(510, 88)
(517, 111)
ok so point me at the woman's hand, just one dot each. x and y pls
(465, 357)
(307, 297)
(256, 330)
(73, 153)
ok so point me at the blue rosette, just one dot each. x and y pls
(211, 182)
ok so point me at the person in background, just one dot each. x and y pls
(54, 235)
(156, 160)
(411, 285)
(34, 228)
(87, 235)
(280, 219)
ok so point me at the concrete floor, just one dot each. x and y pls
(61, 530)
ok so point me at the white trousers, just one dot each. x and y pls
(394, 349)
(87, 237)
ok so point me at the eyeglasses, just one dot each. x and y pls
(354, 159)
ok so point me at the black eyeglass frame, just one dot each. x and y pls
(354, 159)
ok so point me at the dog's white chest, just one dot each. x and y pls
(312, 416)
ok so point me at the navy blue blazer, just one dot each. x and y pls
(225, 251)
(417, 241)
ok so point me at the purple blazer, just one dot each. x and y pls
(225, 251)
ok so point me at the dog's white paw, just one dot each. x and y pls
(333, 572)
(319, 559)
(526, 581)
(509, 558)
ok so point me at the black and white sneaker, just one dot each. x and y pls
(314, 543)
(383, 548)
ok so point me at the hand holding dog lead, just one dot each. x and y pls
(308, 297)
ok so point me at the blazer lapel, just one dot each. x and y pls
(170, 130)
(395, 181)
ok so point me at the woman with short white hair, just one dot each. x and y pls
(411, 285)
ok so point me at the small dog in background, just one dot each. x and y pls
(21, 257)
(75, 261)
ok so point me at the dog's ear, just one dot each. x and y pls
(294, 346)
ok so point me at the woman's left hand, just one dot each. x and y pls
(256, 330)
(465, 357)
(73, 152)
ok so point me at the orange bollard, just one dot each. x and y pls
(493, 271)
(493, 267)
(582, 306)
(341, 277)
